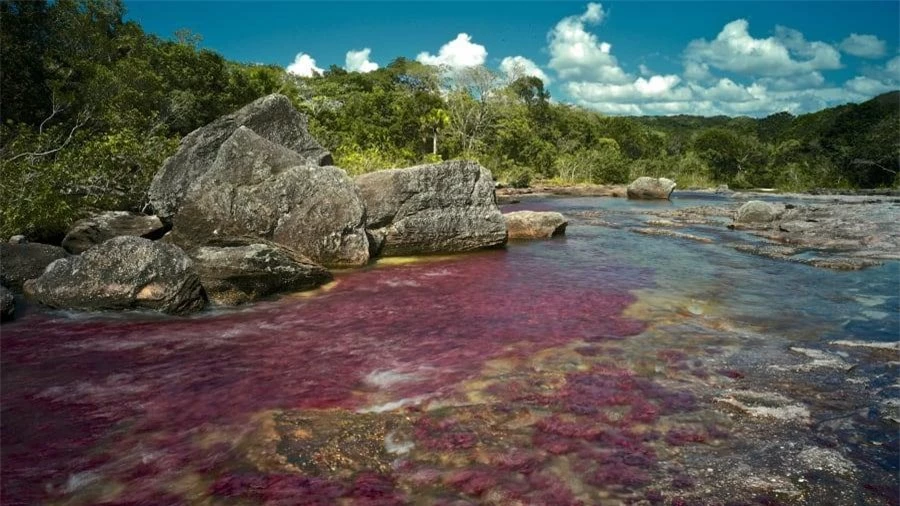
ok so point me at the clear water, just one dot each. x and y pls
(603, 367)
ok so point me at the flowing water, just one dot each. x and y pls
(603, 367)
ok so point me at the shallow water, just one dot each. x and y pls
(603, 367)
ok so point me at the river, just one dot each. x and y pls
(602, 367)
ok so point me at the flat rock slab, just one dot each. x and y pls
(439, 208)
(122, 273)
(21, 262)
(240, 274)
(534, 225)
(89, 232)
(272, 117)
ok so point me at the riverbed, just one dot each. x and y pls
(602, 367)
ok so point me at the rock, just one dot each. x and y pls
(7, 304)
(21, 262)
(18, 239)
(122, 273)
(650, 188)
(723, 189)
(439, 208)
(756, 211)
(271, 117)
(97, 229)
(243, 273)
(256, 189)
(534, 225)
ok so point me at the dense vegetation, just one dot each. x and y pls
(90, 106)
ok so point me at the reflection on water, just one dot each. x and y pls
(604, 367)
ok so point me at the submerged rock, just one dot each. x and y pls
(7, 304)
(756, 211)
(272, 117)
(94, 230)
(259, 189)
(534, 225)
(21, 262)
(439, 208)
(650, 188)
(244, 273)
(122, 273)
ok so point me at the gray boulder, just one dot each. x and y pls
(244, 273)
(756, 211)
(21, 262)
(7, 304)
(650, 188)
(18, 239)
(439, 208)
(272, 117)
(259, 189)
(122, 273)
(534, 225)
(99, 228)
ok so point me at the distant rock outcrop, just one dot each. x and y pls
(650, 188)
(439, 208)
(122, 273)
(272, 117)
(24, 261)
(244, 273)
(258, 189)
(534, 225)
(94, 230)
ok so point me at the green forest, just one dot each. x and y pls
(90, 106)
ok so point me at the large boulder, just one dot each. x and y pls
(21, 262)
(244, 273)
(438, 208)
(94, 230)
(258, 189)
(272, 117)
(756, 211)
(7, 304)
(650, 188)
(534, 225)
(122, 273)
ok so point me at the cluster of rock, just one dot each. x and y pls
(248, 206)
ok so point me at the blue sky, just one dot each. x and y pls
(727, 57)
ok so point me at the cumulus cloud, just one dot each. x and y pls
(788, 53)
(304, 66)
(518, 66)
(576, 53)
(458, 53)
(864, 46)
(358, 61)
(800, 82)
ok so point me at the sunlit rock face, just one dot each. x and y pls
(439, 208)
(650, 188)
(258, 189)
(273, 117)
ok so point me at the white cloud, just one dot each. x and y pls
(358, 61)
(800, 82)
(304, 66)
(788, 53)
(519, 66)
(459, 52)
(577, 54)
(864, 46)
(868, 86)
